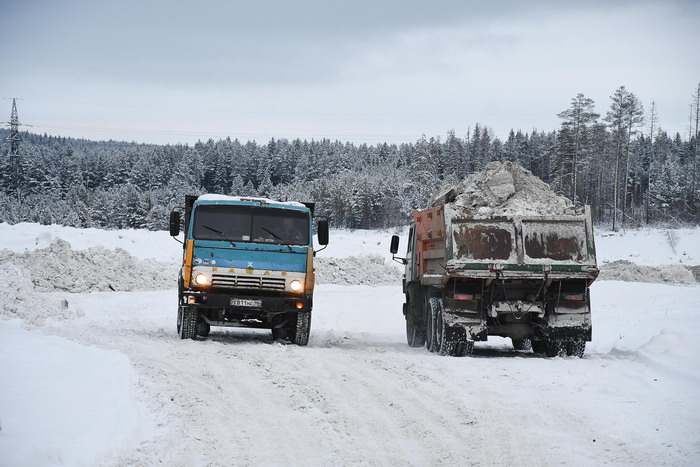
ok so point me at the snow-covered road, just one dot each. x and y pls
(105, 380)
(359, 395)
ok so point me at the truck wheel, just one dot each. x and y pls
(186, 322)
(444, 344)
(556, 348)
(414, 336)
(430, 325)
(203, 329)
(539, 347)
(576, 348)
(521, 344)
(299, 334)
(464, 349)
(280, 333)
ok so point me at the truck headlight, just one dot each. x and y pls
(296, 285)
(201, 279)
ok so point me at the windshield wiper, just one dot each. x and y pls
(220, 234)
(277, 237)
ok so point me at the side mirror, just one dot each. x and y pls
(174, 223)
(394, 248)
(322, 231)
(394, 244)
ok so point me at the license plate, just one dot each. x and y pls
(245, 302)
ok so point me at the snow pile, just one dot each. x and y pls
(626, 271)
(143, 244)
(19, 299)
(63, 403)
(366, 270)
(503, 189)
(60, 268)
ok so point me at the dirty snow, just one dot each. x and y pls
(503, 189)
(367, 270)
(622, 270)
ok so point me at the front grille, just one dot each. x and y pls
(248, 282)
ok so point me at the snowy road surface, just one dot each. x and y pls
(359, 395)
(105, 380)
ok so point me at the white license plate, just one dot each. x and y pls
(244, 302)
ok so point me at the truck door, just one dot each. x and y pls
(410, 255)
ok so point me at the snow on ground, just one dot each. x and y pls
(143, 244)
(649, 247)
(102, 378)
(64, 403)
(60, 267)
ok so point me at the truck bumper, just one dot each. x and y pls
(245, 303)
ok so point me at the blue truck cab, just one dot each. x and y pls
(246, 262)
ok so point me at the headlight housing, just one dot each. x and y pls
(201, 279)
(296, 285)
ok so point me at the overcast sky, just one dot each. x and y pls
(361, 71)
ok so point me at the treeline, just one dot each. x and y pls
(627, 168)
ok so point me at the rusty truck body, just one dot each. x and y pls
(525, 278)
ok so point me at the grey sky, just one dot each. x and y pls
(363, 71)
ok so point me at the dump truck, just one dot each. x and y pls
(247, 262)
(470, 274)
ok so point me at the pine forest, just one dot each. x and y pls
(619, 161)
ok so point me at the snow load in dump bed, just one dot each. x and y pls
(504, 214)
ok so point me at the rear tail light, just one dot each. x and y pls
(574, 297)
(466, 296)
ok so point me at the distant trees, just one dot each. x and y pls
(643, 177)
(573, 142)
(625, 115)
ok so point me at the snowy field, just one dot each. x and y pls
(93, 372)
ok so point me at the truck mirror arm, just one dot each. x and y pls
(399, 260)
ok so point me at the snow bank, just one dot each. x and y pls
(503, 189)
(60, 268)
(650, 247)
(143, 244)
(62, 403)
(364, 270)
(19, 299)
(626, 271)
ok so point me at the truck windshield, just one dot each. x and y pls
(251, 224)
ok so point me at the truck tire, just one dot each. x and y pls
(464, 349)
(521, 344)
(556, 348)
(186, 322)
(576, 348)
(299, 334)
(444, 344)
(280, 333)
(539, 347)
(430, 325)
(203, 329)
(415, 335)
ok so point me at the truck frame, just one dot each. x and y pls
(526, 278)
(247, 262)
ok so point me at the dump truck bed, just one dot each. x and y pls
(449, 245)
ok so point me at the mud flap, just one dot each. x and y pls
(465, 328)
